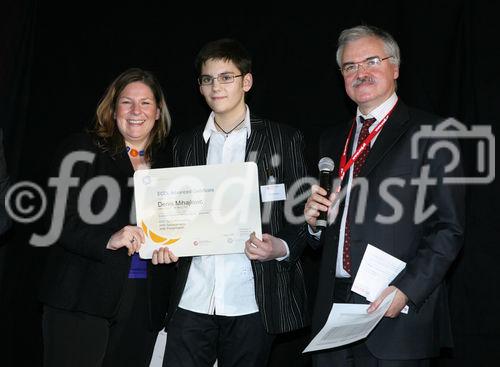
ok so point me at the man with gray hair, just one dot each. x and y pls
(408, 212)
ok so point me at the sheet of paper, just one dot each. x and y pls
(198, 210)
(376, 271)
(348, 323)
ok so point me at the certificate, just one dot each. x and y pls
(198, 210)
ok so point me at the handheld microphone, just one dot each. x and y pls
(325, 166)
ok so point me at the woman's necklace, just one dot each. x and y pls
(134, 152)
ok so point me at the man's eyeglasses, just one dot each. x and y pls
(351, 68)
(224, 78)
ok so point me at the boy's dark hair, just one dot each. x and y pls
(227, 49)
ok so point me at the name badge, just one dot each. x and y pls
(274, 192)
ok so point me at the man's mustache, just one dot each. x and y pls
(366, 79)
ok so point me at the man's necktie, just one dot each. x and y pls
(346, 256)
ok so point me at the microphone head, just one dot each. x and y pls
(326, 164)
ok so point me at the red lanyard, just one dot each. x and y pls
(344, 167)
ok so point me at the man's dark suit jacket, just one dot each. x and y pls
(428, 247)
(81, 274)
(279, 286)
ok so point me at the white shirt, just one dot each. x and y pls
(222, 284)
(378, 113)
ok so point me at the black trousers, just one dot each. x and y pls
(356, 354)
(78, 339)
(197, 340)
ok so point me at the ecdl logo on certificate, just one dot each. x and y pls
(198, 210)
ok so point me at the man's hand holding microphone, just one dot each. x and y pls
(316, 208)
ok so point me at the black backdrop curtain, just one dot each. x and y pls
(57, 60)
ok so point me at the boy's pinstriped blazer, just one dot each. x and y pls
(279, 286)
